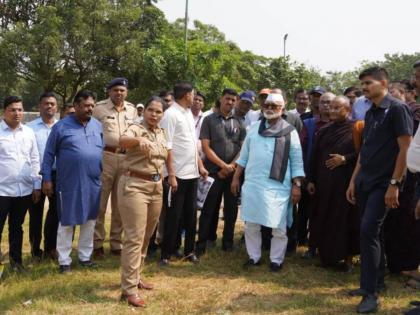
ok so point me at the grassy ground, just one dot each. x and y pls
(219, 285)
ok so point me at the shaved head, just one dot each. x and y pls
(340, 108)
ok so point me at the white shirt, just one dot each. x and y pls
(178, 123)
(42, 131)
(294, 111)
(19, 161)
(413, 154)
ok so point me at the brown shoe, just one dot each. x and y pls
(133, 300)
(98, 253)
(145, 286)
(115, 252)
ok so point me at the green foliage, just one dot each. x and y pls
(68, 45)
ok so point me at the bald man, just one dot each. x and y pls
(334, 221)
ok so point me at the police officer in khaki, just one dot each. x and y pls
(140, 194)
(116, 115)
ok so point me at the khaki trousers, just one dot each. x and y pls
(111, 173)
(140, 203)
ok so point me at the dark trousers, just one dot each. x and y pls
(219, 189)
(212, 236)
(15, 208)
(372, 254)
(183, 205)
(36, 212)
(303, 218)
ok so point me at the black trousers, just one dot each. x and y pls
(372, 253)
(303, 217)
(36, 212)
(15, 208)
(219, 189)
(183, 205)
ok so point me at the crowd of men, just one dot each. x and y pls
(339, 174)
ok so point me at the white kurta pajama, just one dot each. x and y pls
(266, 201)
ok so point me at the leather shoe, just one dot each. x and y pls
(251, 263)
(133, 300)
(145, 286)
(64, 269)
(88, 264)
(362, 292)
(98, 253)
(275, 267)
(192, 258)
(369, 304)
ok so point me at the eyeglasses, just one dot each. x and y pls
(272, 106)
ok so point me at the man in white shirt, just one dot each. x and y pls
(178, 123)
(198, 115)
(20, 182)
(42, 128)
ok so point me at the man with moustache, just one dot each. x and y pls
(221, 136)
(42, 129)
(115, 115)
(272, 181)
(75, 144)
(377, 178)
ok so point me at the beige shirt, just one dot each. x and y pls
(151, 162)
(114, 123)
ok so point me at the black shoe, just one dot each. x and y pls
(357, 292)
(415, 303)
(88, 264)
(64, 269)
(228, 248)
(275, 267)
(369, 304)
(251, 263)
(37, 255)
(164, 262)
(192, 258)
(309, 254)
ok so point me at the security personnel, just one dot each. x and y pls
(140, 195)
(116, 115)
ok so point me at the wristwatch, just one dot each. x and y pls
(395, 182)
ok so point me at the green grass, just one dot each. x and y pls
(218, 285)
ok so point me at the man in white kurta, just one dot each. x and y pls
(271, 157)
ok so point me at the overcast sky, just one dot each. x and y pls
(327, 34)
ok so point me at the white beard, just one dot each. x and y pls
(270, 115)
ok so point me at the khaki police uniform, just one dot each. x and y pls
(114, 124)
(140, 201)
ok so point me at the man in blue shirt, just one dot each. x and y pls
(75, 144)
(42, 129)
(377, 178)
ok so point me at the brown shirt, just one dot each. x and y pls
(151, 162)
(114, 123)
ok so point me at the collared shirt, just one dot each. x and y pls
(379, 151)
(178, 123)
(151, 162)
(294, 111)
(360, 107)
(226, 136)
(413, 154)
(198, 121)
(42, 131)
(114, 123)
(19, 161)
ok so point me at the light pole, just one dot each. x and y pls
(186, 29)
(284, 44)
